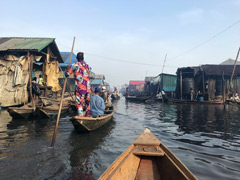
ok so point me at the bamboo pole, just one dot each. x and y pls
(230, 82)
(181, 84)
(60, 107)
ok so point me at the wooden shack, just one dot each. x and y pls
(136, 88)
(17, 56)
(210, 81)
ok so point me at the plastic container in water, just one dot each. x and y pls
(200, 98)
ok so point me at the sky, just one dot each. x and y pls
(129, 39)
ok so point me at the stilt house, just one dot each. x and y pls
(210, 81)
(17, 56)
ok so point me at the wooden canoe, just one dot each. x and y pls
(21, 112)
(147, 158)
(178, 101)
(137, 98)
(87, 124)
(115, 97)
(52, 110)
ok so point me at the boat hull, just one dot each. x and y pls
(52, 111)
(19, 113)
(88, 124)
(137, 99)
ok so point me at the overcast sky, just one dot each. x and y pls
(111, 32)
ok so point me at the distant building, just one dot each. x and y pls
(17, 56)
(229, 62)
(98, 81)
(136, 88)
(165, 82)
(211, 81)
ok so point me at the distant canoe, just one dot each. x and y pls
(178, 101)
(147, 158)
(137, 98)
(87, 124)
(115, 97)
(21, 112)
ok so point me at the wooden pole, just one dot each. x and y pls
(203, 81)
(230, 82)
(30, 80)
(181, 84)
(158, 89)
(60, 107)
(223, 87)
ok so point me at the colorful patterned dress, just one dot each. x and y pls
(82, 85)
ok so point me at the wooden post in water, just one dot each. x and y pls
(223, 87)
(61, 102)
(203, 81)
(181, 84)
(230, 82)
(30, 80)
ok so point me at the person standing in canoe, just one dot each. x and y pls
(82, 84)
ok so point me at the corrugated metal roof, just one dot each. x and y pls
(66, 57)
(30, 43)
(99, 76)
(8, 43)
(96, 82)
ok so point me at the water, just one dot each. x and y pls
(206, 138)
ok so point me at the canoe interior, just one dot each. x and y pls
(147, 158)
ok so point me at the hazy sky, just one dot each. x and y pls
(111, 32)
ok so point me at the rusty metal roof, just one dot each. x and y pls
(29, 44)
(24, 43)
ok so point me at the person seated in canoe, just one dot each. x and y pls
(104, 95)
(97, 105)
(82, 84)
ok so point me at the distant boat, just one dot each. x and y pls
(147, 158)
(87, 124)
(178, 101)
(137, 98)
(115, 97)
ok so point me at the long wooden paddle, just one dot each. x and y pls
(60, 107)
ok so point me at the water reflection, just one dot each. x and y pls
(206, 119)
(205, 137)
(84, 145)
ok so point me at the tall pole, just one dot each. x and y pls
(230, 82)
(60, 107)
(223, 87)
(203, 81)
(181, 84)
(30, 80)
(158, 89)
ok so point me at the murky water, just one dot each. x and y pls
(206, 138)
